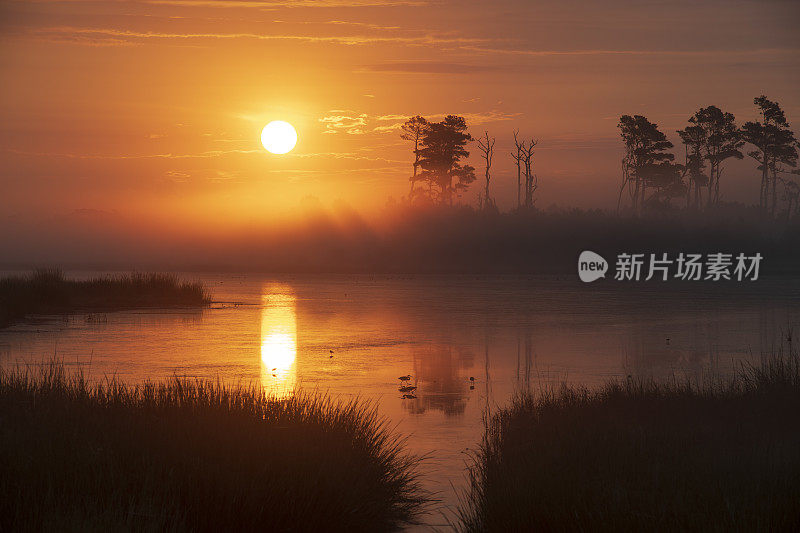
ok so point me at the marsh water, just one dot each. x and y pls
(355, 335)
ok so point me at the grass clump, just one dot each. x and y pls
(45, 291)
(194, 456)
(723, 455)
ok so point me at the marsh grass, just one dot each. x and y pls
(722, 455)
(194, 456)
(45, 291)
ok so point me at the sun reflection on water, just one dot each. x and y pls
(278, 339)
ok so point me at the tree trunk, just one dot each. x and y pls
(764, 178)
(416, 164)
(774, 192)
(710, 192)
(450, 190)
(698, 195)
(642, 199)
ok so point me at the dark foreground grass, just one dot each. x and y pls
(645, 456)
(49, 291)
(194, 456)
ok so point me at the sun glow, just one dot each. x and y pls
(278, 340)
(279, 137)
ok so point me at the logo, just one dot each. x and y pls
(591, 266)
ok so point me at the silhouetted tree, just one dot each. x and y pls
(723, 141)
(712, 137)
(776, 148)
(531, 181)
(442, 147)
(646, 164)
(523, 157)
(791, 193)
(486, 146)
(518, 157)
(412, 130)
(694, 139)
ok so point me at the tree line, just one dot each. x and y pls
(650, 175)
(439, 174)
(653, 179)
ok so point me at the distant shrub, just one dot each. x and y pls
(49, 291)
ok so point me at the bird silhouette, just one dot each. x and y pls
(405, 378)
(409, 388)
(409, 397)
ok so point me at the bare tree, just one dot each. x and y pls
(518, 158)
(531, 180)
(486, 146)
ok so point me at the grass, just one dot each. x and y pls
(193, 456)
(723, 455)
(48, 291)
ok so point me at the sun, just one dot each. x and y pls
(278, 137)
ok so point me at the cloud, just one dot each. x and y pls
(201, 155)
(630, 52)
(122, 37)
(260, 4)
(429, 67)
(387, 129)
(178, 176)
(352, 125)
(392, 117)
(357, 123)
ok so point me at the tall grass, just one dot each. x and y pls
(49, 291)
(722, 455)
(194, 456)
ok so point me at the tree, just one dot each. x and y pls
(723, 141)
(524, 159)
(712, 137)
(531, 181)
(791, 193)
(694, 139)
(412, 130)
(518, 158)
(776, 150)
(442, 147)
(486, 146)
(646, 164)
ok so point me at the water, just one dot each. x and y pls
(354, 336)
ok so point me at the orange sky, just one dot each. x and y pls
(154, 107)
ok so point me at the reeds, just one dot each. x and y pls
(49, 291)
(641, 455)
(194, 456)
